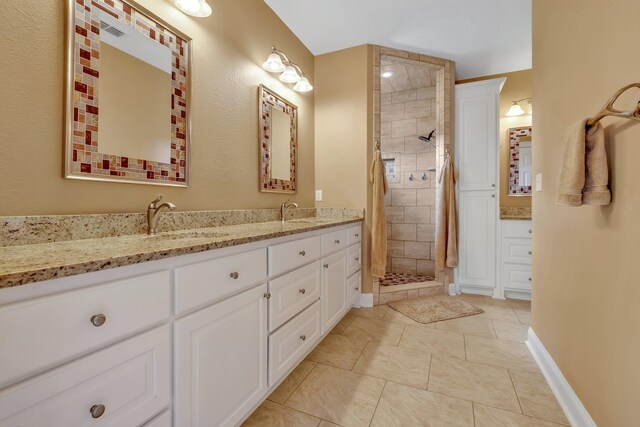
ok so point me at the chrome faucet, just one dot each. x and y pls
(284, 208)
(153, 213)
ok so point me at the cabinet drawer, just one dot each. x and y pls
(516, 250)
(47, 331)
(354, 235)
(517, 277)
(353, 287)
(211, 281)
(334, 241)
(290, 343)
(353, 259)
(291, 293)
(132, 380)
(515, 228)
(287, 256)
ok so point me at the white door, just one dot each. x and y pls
(477, 130)
(221, 361)
(477, 245)
(334, 292)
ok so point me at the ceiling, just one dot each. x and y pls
(483, 37)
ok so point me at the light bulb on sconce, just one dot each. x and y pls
(516, 109)
(291, 73)
(197, 8)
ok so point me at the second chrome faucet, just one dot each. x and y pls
(284, 208)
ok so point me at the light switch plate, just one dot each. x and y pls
(538, 182)
(318, 195)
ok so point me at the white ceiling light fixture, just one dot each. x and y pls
(516, 109)
(291, 73)
(197, 8)
(387, 74)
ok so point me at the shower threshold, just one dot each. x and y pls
(396, 282)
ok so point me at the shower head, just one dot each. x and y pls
(429, 138)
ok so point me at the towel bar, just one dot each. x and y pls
(610, 110)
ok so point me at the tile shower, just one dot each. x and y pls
(407, 111)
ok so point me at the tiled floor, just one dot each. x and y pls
(380, 368)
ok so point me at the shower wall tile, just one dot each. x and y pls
(385, 98)
(413, 145)
(416, 109)
(404, 265)
(395, 214)
(425, 267)
(408, 162)
(427, 93)
(417, 215)
(392, 112)
(403, 232)
(395, 248)
(417, 250)
(426, 232)
(404, 197)
(402, 128)
(425, 125)
(425, 161)
(392, 145)
(385, 130)
(425, 197)
(404, 96)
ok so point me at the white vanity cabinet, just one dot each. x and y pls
(221, 360)
(516, 258)
(186, 341)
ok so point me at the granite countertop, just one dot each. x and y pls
(521, 213)
(23, 264)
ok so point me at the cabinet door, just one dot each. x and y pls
(477, 136)
(334, 292)
(221, 360)
(477, 263)
(353, 287)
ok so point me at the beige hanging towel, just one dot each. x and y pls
(584, 178)
(378, 219)
(446, 218)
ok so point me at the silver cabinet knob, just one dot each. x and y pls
(234, 275)
(97, 411)
(303, 253)
(98, 320)
(493, 196)
(529, 231)
(303, 337)
(357, 235)
(357, 289)
(326, 266)
(530, 252)
(357, 259)
(303, 291)
(493, 185)
(337, 241)
(529, 278)
(267, 295)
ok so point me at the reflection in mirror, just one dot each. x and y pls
(278, 139)
(127, 100)
(134, 93)
(280, 144)
(520, 161)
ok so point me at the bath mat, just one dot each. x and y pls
(392, 279)
(434, 309)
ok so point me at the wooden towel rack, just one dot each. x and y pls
(610, 110)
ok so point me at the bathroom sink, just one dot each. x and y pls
(188, 235)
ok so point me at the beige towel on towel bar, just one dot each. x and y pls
(378, 219)
(584, 177)
(446, 218)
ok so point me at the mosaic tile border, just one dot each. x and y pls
(83, 157)
(268, 98)
(514, 143)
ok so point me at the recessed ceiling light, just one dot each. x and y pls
(387, 74)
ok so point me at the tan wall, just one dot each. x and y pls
(586, 290)
(229, 48)
(343, 124)
(517, 86)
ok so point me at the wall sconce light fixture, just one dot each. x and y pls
(197, 8)
(517, 110)
(278, 62)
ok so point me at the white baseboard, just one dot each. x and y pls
(574, 409)
(364, 300)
